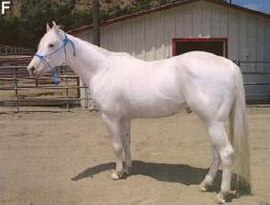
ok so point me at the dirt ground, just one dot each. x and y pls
(66, 159)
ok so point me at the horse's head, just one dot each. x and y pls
(50, 53)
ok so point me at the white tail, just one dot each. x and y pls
(239, 137)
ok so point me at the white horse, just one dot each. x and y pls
(124, 88)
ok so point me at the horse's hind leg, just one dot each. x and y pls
(221, 142)
(126, 143)
(114, 125)
(209, 178)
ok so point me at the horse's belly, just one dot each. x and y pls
(147, 106)
(141, 96)
(153, 109)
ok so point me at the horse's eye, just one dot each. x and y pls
(51, 45)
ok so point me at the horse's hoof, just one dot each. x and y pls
(128, 170)
(203, 187)
(220, 199)
(206, 184)
(116, 175)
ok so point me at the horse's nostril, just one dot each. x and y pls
(31, 70)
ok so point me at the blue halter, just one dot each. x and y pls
(43, 59)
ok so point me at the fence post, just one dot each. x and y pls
(66, 87)
(36, 82)
(14, 71)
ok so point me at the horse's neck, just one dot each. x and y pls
(89, 59)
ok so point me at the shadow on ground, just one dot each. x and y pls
(175, 173)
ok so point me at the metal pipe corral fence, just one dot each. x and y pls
(256, 76)
(21, 93)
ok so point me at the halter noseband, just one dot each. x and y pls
(43, 59)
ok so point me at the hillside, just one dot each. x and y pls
(110, 7)
(32, 15)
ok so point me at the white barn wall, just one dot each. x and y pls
(138, 30)
(233, 34)
(242, 38)
(267, 39)
(196, 21)
(149, 37)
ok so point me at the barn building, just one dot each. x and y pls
(241, 34)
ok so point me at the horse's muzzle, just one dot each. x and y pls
(31, 70)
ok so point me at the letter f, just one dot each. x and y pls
(5, 6)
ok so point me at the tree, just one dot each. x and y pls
(26, 29)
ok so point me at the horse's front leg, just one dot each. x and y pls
(126, 143)
(114, 125)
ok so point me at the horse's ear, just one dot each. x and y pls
(55, 27)
(54, 24)
(47, 27)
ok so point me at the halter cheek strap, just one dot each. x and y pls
(43, 59)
